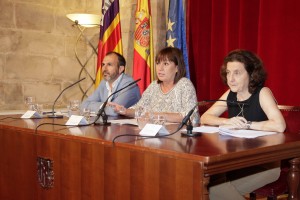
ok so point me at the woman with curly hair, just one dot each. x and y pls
(255, 107)
(250, 105)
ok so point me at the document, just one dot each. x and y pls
(241, 133)
(124, 121)
(244, 133)
(206, 129)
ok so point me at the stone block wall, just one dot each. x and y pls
(37, 43)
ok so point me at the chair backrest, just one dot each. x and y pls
(204, 106)
(291, 115)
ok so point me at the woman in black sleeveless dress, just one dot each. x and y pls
(250, 105)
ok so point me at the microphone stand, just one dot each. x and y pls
(189, 125)
(53, 113)
(101, 113)
(189, 130)
(187, 121)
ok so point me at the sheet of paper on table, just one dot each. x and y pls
(241, 133)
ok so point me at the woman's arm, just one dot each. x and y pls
(187, 101)
(275, 120)
(129, 112)
(171, 117)
(212, 115)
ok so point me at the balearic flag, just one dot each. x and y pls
(110, 33)
(176, 35)
(143, 45)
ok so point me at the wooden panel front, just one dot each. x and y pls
(86, 170)
(18, 177)
(87, 166)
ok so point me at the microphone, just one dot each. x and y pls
(231, 102)
(187, 117)
(101, 112)
(189, 126)
(61, 116)
(186, 120)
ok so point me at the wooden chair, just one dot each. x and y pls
(204, 106)
(291, 115)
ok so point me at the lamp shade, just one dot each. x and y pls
(86, 20)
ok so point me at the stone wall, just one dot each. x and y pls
(37, 44)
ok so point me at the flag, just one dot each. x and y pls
(110, 33)
(143, 45)
(176, 35)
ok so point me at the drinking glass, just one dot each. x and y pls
(39, 108)
(142, 117)
(74, 107)
(139, 111)
(142, 121)
(29, 101)
(86, 113)
(158, 119)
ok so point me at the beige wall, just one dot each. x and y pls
(37, 44)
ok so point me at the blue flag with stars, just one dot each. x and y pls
(176, 36)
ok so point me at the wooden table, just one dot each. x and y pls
(62, 163)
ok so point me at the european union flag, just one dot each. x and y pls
(176, 36)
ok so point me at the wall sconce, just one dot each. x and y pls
(83, 21)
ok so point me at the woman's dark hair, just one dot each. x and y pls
(174, 55)
(253, 65)
(121, 59)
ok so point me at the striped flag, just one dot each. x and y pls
(110, 33)
(176, 35)
(143, 45)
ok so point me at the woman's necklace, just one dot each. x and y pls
(241, 110)
(241, 106)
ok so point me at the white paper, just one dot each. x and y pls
(241, 133)
(124, 121)
(205, 129)
(244, 133)
(31, 114)
(76, 120)
(153, 129)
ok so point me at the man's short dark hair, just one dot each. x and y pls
(121, 59)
